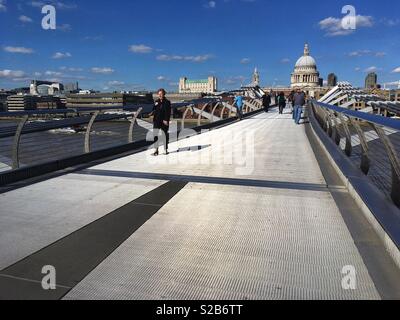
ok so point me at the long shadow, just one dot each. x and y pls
(209, 180)
(191, 149)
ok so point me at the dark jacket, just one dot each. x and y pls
(299, 99)
(266, 100)
(282, 101)
(161, 112)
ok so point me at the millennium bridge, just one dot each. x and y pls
(255, 209)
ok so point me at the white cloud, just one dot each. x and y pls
(391, 22)
(11, 74)
(210, 5)
(3, 7)
(333, 26)
(285, 60)
(53, 73)
(361, 53)
(71, 69)
(102, 70)
(25, 19)
(57, 4)
(64, 27)
(116, 83)
(380, 54)
(372, 69)
(235, 80)
(245, 61)
(200, 58)
(397, 70)
(61, 55)
(22, 50)
(93, 38)
(161, 78)
(141, 48)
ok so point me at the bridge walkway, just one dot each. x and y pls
(247, 211)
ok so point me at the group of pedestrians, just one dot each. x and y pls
(162, 111)
(279, 99)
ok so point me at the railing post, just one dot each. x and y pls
(213, 111)
(335, 132)
(230, 110)
(223, 111)
(88, 130)
(365, 161)
(395, 162)
(349, 148)
(188, 108)
(329, 128)
(201, 114)
(317, 112)
(132, 125)
(17, 140)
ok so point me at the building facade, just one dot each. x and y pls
(209, 85)
(332, 80)
(371, 81)
(305, 73)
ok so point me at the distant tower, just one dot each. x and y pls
(332, 80)
(306, 50)
(371, 81)
(256, 77)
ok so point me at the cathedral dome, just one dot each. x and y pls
(305, 72)
(306, 62)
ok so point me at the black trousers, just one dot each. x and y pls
(266, 108)
(162, 132)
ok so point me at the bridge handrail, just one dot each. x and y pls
(338, 122)
(378, 120)
(12, 114)
(82, 121)
(57, 124)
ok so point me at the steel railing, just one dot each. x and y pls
(36, 138)
(372, 142)
(30, 139)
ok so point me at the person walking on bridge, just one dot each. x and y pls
(239, 105)
(281, 102)
(291, 100)
(299, 102)
(266, 102)
(162, 115)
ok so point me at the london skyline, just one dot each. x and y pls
(127, 46)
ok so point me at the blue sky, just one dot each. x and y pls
(132, 44)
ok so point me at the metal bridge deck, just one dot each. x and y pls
(267, 227)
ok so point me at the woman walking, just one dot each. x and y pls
(281, 102)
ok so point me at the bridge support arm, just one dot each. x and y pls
(16, 144)
(213, 111)
(188, 108)
(349, 148)
(395, 162)
(201, 114)
(365, 161)
(88, 131)
(132, 125)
